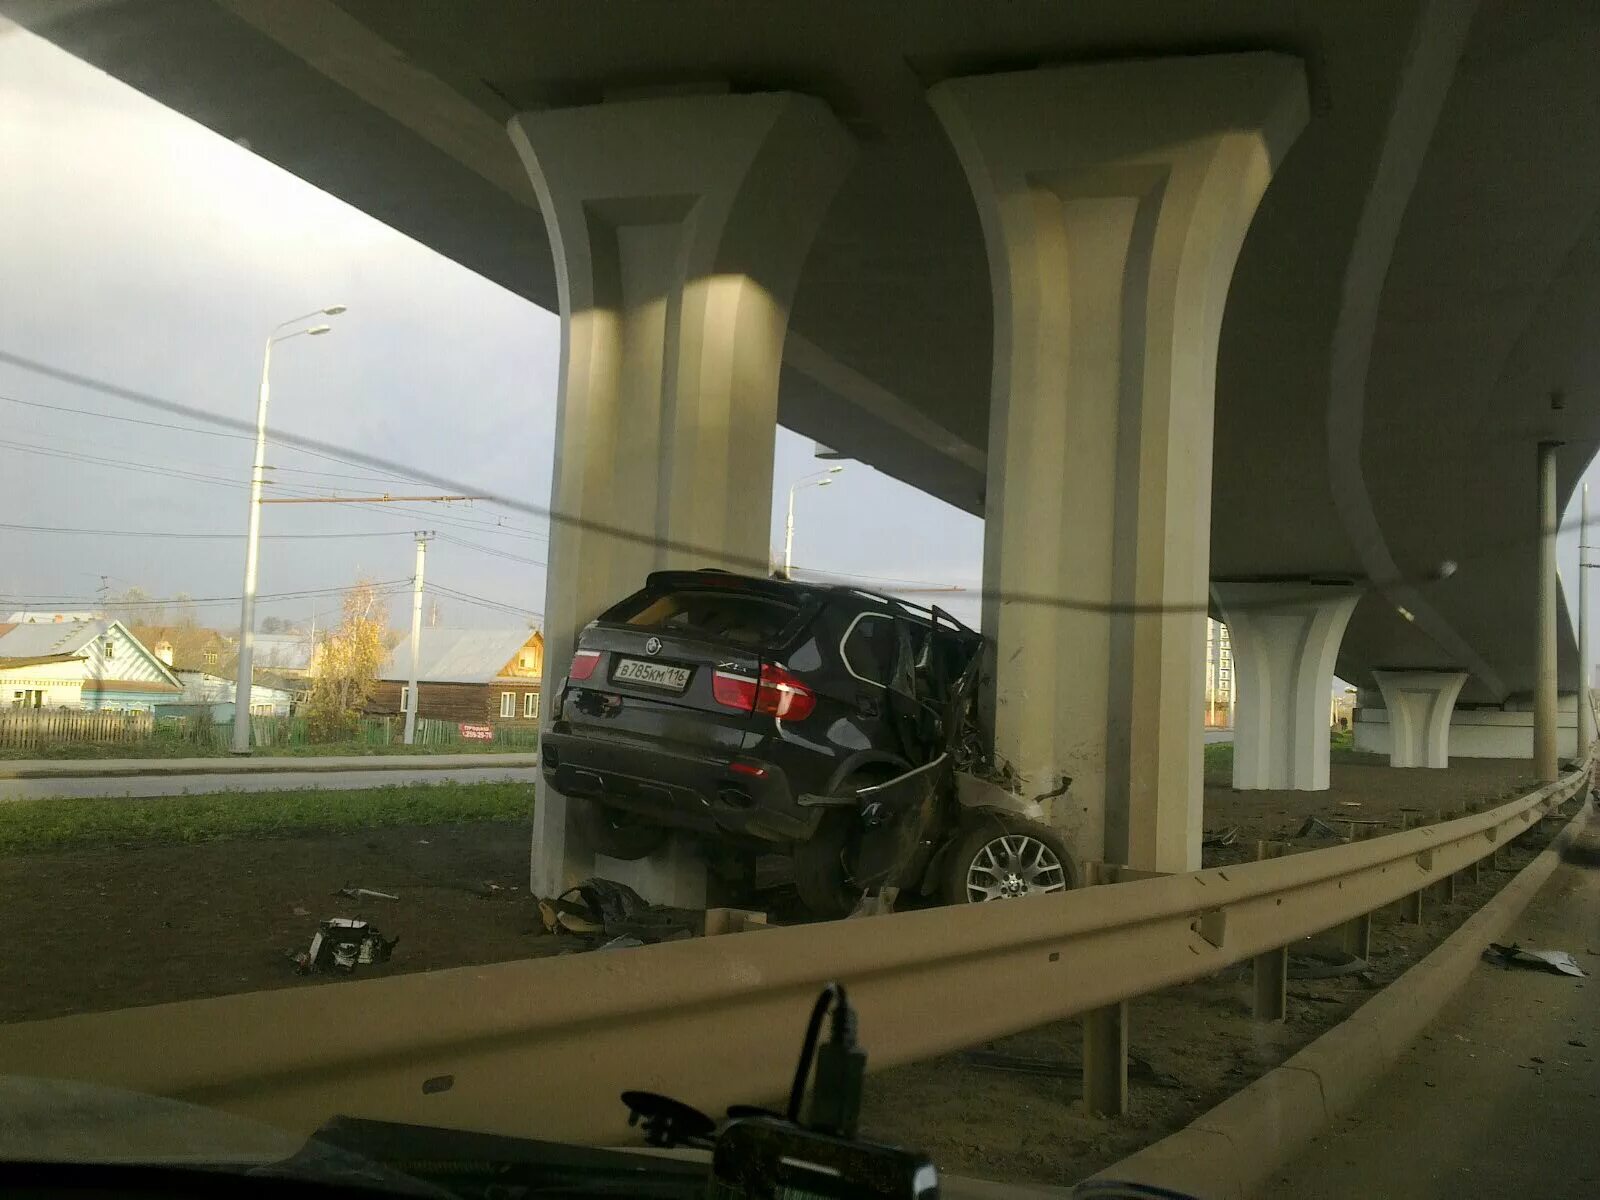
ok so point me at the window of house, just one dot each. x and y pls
(110, 648)
(211, 658)
(530, 705)
(508, 704)
(405, 697)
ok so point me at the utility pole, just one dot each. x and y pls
(416, 637)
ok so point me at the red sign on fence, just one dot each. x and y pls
(476, 733)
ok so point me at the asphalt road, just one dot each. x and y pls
(1218, 735)
(401, 773)
(1499, 1097)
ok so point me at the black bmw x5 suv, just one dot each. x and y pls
(732, 706)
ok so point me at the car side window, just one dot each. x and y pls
(868, 648)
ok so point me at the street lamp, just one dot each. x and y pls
(247, 605)
(819, 479)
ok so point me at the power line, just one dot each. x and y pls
(620, 533)
(483, 601)
(495, 551)
(384, 587)
(78, 456)
(244, 437)
(164, 533)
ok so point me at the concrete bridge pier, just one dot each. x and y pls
(1113, 200)
(1285, 642)
(678, 224)
(1420, 705)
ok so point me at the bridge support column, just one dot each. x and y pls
(1546, 587)
(1113, 200)
(1419, 705)
(1285, 639)
(679, 225)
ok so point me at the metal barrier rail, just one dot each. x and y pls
(542, 1047)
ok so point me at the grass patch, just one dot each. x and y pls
(1219, 764)
(1219, 758)
(50, 824)
(161, 747)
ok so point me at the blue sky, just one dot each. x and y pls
(156, 254)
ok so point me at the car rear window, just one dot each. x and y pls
(739, 618)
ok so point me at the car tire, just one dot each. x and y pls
(618, 835)
(1006, 855)
(819, 874)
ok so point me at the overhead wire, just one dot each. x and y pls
(384, 587)
(677, 545)
(184, 534)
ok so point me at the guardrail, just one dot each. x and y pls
(542, 1048)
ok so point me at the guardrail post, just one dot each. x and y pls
(1105, 1036)
(1411, 907)
(1272, 968)
(1355, 937)
(1105, 1060)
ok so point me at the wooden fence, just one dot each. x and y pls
(38, 729)
(31, 728)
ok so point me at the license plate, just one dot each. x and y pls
(632, 670)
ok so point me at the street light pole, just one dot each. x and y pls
(244, 677)
(820, 479)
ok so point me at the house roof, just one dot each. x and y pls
(34, 660)
(457, 655)
(284, 651)
(63, 637)
(48, 639)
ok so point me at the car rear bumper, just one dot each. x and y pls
(676, 788)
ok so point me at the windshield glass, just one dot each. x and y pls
(719, 615)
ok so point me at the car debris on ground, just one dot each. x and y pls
(608, 911)
(342, 944)
(358, 893)
(1220, 837)
(1558, 962)
(1317, 827)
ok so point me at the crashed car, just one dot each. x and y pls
(829, 722)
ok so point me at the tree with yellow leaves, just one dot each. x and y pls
(347, 664)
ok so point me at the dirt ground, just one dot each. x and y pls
(119, 926)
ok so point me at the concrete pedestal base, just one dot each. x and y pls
(1420, 704)
(1474, 733)
(1285, 639)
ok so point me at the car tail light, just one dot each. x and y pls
(733, 691)
(583, 664)
(750, 769)
(782, 695)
